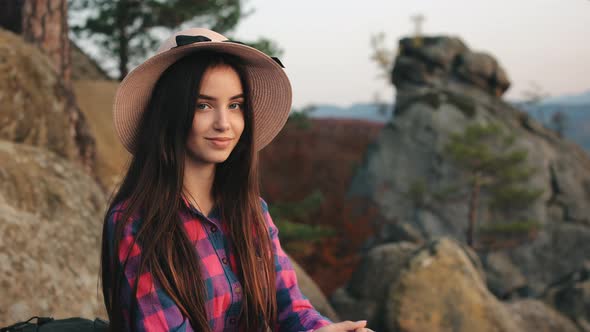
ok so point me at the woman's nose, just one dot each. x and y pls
(221, 119)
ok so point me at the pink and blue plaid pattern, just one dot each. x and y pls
(157, 311)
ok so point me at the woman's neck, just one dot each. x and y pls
(197, 185)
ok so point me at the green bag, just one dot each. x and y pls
(48, 324)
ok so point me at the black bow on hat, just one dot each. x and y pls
(182, 40)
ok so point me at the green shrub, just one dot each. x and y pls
(291, 217)
(510, 228)
(293, 231)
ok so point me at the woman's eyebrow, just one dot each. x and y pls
(241, 95)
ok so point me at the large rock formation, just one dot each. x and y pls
(442, 88)
(436, 61)
(571, 296)
(436, 287)
(368, 289)
(535, 316)
(51, 229)
(311, 290)
(36, 106)
(50, 208)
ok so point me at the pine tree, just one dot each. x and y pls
(491, 163)
(290, 218)
(127, 30)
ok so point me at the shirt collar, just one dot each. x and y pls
(213, 214)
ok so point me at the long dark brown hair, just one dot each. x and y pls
(153, 186)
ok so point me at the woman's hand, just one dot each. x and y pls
(346, 326)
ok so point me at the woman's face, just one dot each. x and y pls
(219, 119)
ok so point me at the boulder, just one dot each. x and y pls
(436, 61)
(536, 316)
(483, 71)
(440, 286)
(50, 221)
(571, 296)
(440, 290)
(503, 277)
(366, 292)
(381, 265)
(314, 293)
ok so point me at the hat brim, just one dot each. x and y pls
(270, 91)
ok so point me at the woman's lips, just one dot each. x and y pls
(220, 142)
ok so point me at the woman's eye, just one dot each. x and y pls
(238, 105)
(233, 106)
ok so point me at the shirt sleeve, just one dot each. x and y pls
(295, 311)
(155, 310)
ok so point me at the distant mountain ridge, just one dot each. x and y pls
(575, 107)
(358, 111)
(372, 112)
(574, 99)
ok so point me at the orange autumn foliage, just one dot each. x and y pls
(323, 156)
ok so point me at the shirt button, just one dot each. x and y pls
(238, 289)
(224, 260)
(232, 320)
(213, 229)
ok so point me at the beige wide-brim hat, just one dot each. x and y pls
(270, 88)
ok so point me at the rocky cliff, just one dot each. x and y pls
(443, 88)
(51, 228)
(32, 100)
(50, 207)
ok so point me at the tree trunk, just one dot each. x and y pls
(123, 39)
(44, 24)
(473, 203)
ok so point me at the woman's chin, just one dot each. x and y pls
(209, 158)
(216, 160)
(220, 156)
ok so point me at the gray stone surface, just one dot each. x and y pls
(571, 296)
(438, 96)
(50, 221)
(536, 316)
(310, 289)
(438, 286)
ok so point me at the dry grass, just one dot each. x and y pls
(95, 99)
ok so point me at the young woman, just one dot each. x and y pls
(188, 243)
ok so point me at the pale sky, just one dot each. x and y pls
(326, 43)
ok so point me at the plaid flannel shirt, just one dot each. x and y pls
(156, 311)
